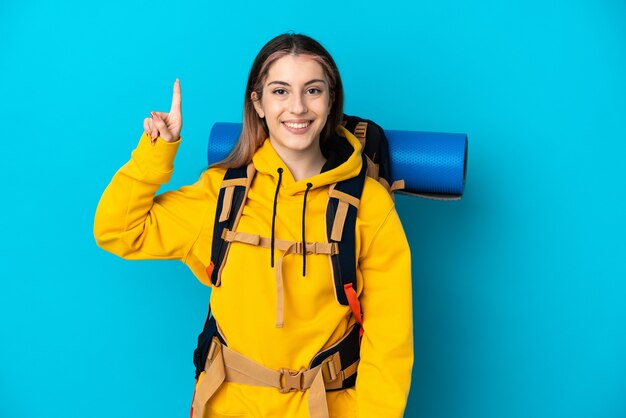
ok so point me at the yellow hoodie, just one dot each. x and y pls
(135, 224)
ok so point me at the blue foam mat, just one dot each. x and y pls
(432, 164)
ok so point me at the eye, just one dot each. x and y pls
(314, 90)
(280, 92)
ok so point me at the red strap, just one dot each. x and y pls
(355, 306)
(209, 270)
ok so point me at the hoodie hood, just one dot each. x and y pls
(342, 152)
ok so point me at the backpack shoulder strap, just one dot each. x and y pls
(232, 195)
(343, 203)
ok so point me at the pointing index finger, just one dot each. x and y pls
(176, 98)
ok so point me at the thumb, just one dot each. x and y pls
(164, 133)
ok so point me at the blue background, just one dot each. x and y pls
(519, 289)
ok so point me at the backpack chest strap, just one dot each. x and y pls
(329, 248)
(288, 247)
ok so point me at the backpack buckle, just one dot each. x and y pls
(291, 380)
(331, 368)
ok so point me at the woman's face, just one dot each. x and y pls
(295, 103)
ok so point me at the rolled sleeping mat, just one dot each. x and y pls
(432, 164)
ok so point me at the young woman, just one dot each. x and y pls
(275, 305)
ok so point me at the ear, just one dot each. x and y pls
(257, 104)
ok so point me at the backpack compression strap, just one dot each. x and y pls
(233, 193)
(375, 147)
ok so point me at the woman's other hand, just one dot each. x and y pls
(166, 125)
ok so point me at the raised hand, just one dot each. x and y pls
(166, 125)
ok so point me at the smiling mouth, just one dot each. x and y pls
(297, 125)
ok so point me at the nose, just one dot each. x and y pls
(297, 106)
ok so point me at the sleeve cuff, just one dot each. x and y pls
(155, 159)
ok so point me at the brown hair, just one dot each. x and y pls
(254, 129)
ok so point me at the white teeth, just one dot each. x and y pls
(296, 125)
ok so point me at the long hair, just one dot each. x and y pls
(254, 129)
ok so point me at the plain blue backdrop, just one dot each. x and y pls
(519, 289)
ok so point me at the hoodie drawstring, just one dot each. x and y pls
(290, 249)
(308, 187)
(280, 177)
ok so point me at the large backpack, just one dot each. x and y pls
(341, 214)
